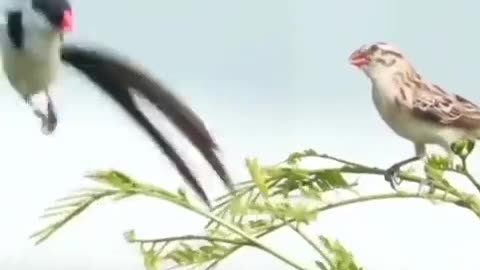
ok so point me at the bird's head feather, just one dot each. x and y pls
(378, 58)
(48, 15)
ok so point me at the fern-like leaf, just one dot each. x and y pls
(67, 209)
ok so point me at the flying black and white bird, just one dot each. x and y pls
(33, 52)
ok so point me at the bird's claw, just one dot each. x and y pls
(49, 122)
(48, 117)
(426, 182)
(48, 125)
(391, 176)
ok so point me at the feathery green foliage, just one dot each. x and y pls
(282, 196)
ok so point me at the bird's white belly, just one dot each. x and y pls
(408, 127)
(27, 74)
(402, 122)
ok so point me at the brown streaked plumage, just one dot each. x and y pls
(434, 104)
(412, 107)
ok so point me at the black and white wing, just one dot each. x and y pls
(117, 78)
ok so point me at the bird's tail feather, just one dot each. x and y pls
(116, 77)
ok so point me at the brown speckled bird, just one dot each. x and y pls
(412, 107)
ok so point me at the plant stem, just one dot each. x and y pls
(252, 239)
(259, 179)
(377, 171)
(342, 203)
(346, 162)
(467, 173)
(192, 237)
(255, 242)
(299, 232)
(472, 179)
(352, 167)
(44, 234)
(457, 201)
(311, 243)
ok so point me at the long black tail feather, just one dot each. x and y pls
(117, 77)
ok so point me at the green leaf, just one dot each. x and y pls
(340, 258)
(463, 148)
(330, 179)
(114, 178)
(438, 162)
(185, 255)
(275, 172)
(257, 175)
(434, 173)
(294, 158)
(237, 207)
(297, 175)
(129, 236)
(77, 205)
(151, 260)
(299, 213)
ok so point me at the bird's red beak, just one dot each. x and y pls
(359, 59)
(67, 22)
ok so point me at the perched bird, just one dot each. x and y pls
(33, 52)
(411, 106)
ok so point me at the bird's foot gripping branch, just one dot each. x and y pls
(286, 195)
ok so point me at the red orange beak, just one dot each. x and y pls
(67, 22)
(359, 59)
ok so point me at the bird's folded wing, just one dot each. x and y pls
(117, 77)
(436, 105)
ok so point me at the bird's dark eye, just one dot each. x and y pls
(374, 48)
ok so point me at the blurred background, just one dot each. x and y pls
(268, 77)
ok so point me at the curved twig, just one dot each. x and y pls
(342, 203)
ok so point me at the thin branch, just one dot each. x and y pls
(362, 169)
(377, 171)
(259, 178)
(346, 162)
(351, 167)
(467, 173)
(192, 237)
(459, 198)
(457, 201)
(270, 182)
(357, 168)
(342, 203)
(472, 179)
(312, 153)
(311, 243)
(151, 192)
(46, 232)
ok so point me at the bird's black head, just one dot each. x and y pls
(58, 13)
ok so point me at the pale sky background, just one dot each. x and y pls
(268, 77)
